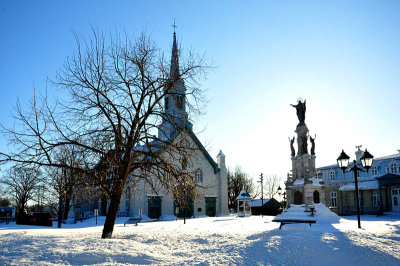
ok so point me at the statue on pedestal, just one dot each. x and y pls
(312, 140)
(300, 111)
(291, 146)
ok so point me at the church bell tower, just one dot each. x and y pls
(175, 117)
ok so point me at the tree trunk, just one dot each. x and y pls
(60, 211)
(67, 204)
(112, 212)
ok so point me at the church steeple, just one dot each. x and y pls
(175, 117)
(174, 70)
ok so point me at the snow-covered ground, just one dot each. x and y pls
(217, 240)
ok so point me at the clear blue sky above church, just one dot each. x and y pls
(342, 56)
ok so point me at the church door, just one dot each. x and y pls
(298, 197)
(154, 207)
(316, 196)
(187, 210)
(211, 207)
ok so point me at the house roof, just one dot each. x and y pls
(258, 202)
(243, 195)
(378, 159)
(368, 185)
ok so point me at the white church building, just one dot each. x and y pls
(211, 176)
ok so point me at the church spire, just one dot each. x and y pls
(174, 71)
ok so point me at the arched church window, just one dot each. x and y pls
(199, 176)
(166, 103)
(184, 163)
(179, 101)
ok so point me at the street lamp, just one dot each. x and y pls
(284, 196)
(366, 161)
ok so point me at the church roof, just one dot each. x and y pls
(193, 136)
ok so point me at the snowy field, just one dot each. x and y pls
(217, 240)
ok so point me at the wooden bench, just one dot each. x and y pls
(134, 221)
(294, 221)
(6, 219)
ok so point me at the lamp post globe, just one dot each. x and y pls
(343, 160)
(367, 160)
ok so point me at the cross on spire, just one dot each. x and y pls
(174, 25)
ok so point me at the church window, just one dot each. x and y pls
(179, 101)
(333, 199)
(128, 199)
(199, 176)
(374, 170)
(167, 175)
(184, 163)
(332, 175)
(166, 103)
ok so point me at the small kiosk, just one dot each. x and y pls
(243, 206)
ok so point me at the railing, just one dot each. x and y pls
(349, 210)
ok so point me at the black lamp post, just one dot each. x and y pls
(284, 196)
(366, 161)
(262, 196)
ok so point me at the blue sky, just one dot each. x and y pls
(342, 56)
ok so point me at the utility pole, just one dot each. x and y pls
(262, 196)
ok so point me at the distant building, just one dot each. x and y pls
(271, 207)
(379, 189)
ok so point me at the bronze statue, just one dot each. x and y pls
(302, 145)
(291, 146)
(312, 140)
(300, 111)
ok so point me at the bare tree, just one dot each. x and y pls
(114, 104)
(21, 183)
(237, 181)
(271, 184)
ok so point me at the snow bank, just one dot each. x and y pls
(295, 212)
(214, 240)
(167, 218)
(324, 215)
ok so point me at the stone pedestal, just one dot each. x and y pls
(301, 131)
(303, 186)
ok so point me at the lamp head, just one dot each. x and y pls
(343, 160)
(366, 160)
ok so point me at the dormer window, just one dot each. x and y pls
(374, 170)
(393, 168)
(332, 175)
